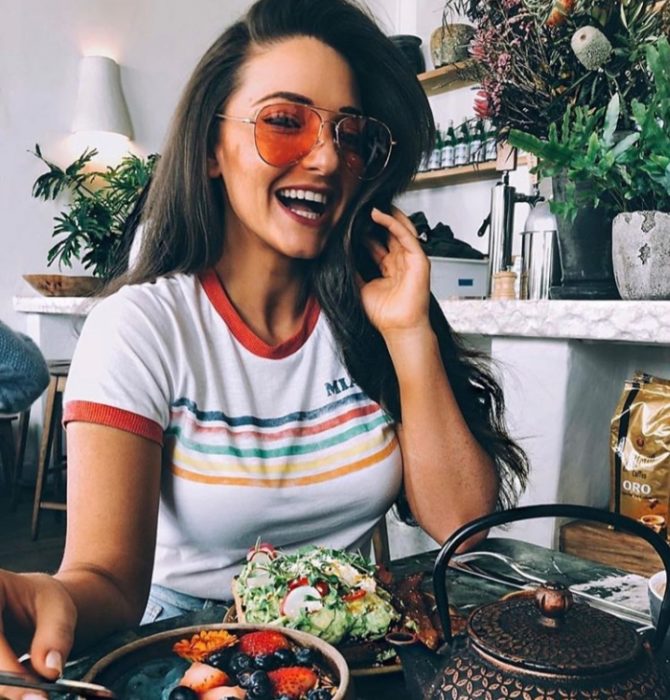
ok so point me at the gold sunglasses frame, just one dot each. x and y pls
(336, 137)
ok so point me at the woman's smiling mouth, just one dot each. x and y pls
(304, 204)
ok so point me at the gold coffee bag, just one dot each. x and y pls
(640, 452)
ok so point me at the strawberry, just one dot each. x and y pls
(292, 681)
(201, 677)
(263, 642)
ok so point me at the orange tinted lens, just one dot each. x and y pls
(285, 133)
(365, 144)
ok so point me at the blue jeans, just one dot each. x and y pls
(165, 603)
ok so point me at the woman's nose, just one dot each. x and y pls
(324, 156)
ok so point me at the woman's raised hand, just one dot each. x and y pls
(398, 300)
(38, 613)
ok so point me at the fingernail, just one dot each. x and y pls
(54, 660)
(33, 696)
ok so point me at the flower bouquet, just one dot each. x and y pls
(539, 57)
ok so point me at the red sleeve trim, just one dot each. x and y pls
(91, 412)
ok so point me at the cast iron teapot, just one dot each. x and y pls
(542, 647)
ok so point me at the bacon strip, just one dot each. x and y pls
(408, 592)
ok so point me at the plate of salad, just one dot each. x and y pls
(332, 594)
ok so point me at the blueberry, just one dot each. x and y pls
(284, 657)
(304, 656)
(241, 662)
(266, 662)
(243, 678)
(319, 694)
(259, 684)
(181, 692)
(255, 693)
(221, 659)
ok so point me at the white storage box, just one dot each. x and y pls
(458, 277)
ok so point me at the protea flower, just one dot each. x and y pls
(591, 47)
(482, 105)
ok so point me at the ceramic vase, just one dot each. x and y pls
(410, 47)
(585, 251)
(641, 254)
(449, 43)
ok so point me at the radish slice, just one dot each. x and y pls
(301, 598)
(262, 549)
(262, 578)
(259, 557)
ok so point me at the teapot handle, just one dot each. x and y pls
(555, 510)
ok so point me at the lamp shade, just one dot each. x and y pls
(100, 102)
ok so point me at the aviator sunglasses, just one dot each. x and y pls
(285, 133)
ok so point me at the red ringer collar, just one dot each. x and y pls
(220, 300)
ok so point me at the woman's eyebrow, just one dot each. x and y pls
(302, 99)
(285, 95)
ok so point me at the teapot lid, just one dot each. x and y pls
(548, 632)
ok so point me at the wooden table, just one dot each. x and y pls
(465, 592)
(604, 544)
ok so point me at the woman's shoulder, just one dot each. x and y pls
(164, 294)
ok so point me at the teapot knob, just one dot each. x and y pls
(553, 601)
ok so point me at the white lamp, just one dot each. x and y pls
(100, 102)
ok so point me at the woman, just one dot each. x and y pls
(272, 366)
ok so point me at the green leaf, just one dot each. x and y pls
(611, 120)
(623, 145)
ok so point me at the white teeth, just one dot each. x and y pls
(305, 213)
(310, 195)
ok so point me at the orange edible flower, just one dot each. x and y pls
(202, 644)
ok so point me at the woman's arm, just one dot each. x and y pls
(23, 371)
(448, 478)
(104, 578)
(113, 495)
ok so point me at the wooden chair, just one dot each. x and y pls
(51, 461)
(380, 544)
(12, 451)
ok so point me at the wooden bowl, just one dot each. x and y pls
(112, 669)
(64, 285)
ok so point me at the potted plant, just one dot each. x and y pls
(91, 226)
(541, 59)
(623, 172)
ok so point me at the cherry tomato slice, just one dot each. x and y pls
(322, 587)
(354, 595)
(302, 581)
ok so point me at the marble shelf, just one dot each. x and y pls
(646, 322)
(67, 306)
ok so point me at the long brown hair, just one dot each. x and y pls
(183, 218)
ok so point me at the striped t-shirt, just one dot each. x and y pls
(259, 441)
